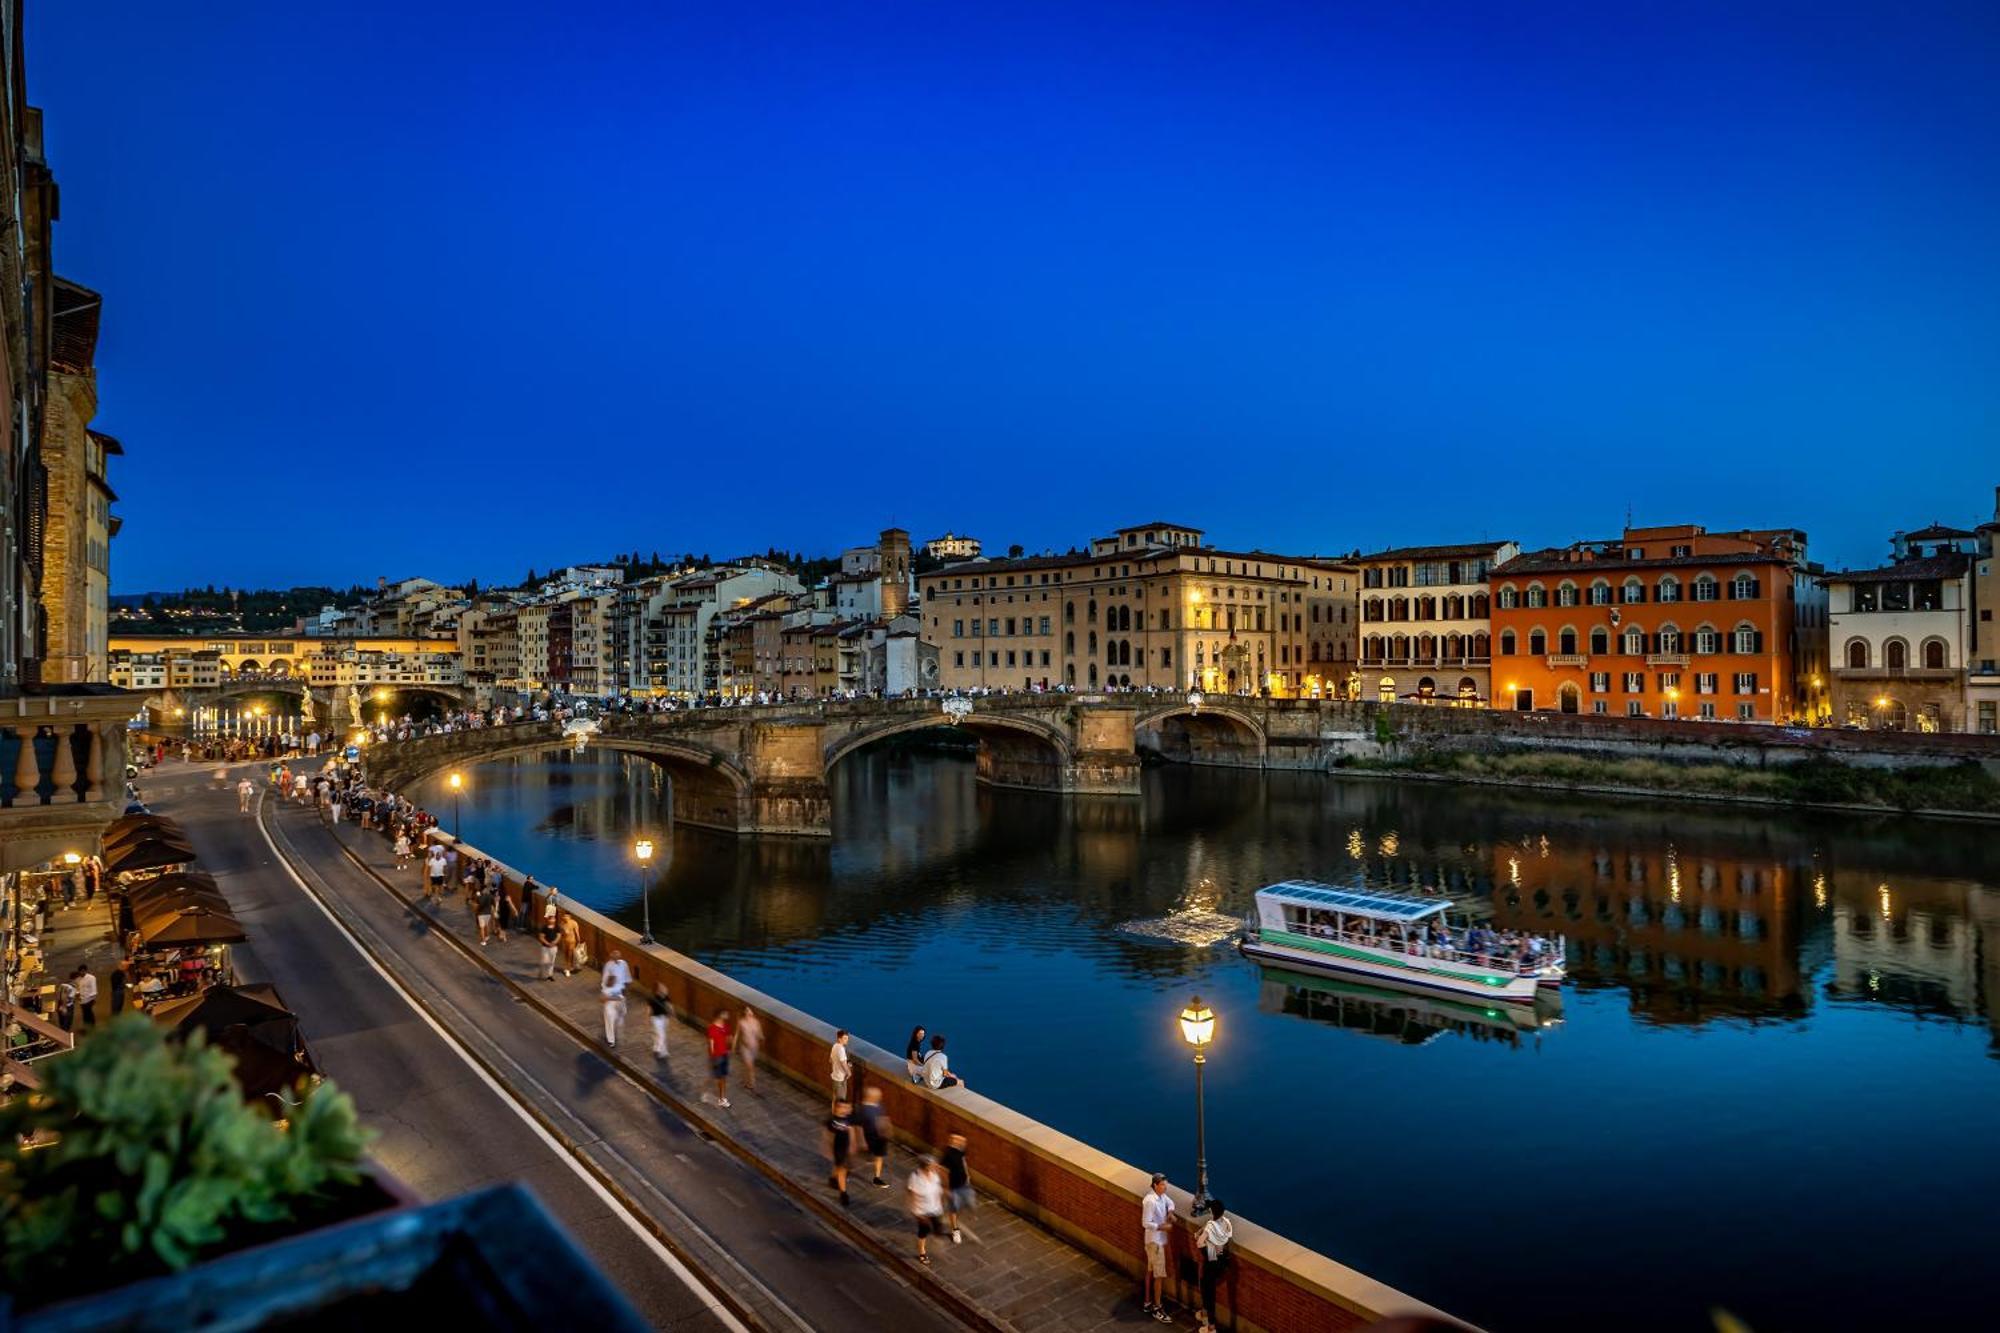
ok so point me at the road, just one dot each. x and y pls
(445, 1127)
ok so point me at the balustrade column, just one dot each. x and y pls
(64, 772)
(27, 769)
(93, 767)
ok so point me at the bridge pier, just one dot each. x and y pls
(788, 791)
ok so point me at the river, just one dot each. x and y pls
(1770, 1087)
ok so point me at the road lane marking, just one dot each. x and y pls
(708, 1300)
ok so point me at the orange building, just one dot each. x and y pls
(1664, 622)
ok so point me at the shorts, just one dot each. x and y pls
(963, 1199)
(485, 920)
(929, 1226)
(437, 881)
(1156, 1258)
(877, 1147)
(719, 1065)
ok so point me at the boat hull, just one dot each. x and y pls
(1423, 975)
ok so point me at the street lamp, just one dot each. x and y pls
(457, 782)
(1198, 1029)
(643, 849)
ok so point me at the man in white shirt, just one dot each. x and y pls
(86, 995)
(838, 1065)
(1156, 1214)
(611, 986)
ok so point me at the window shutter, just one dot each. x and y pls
(1757, 642)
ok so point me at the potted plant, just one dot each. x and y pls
(139, 1157)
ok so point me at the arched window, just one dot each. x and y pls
(1743, 588)
(1093, 675)
(1706, 640)
(1481, 646)
(1706, 589)
(1857, 654)
(1633, 591)
(1600, 640)
(1372, 609)
(1385, 689)
(1069, 642)
(1399, 648)
(1635, 641)
(1565, 593)
(1567, 639)
(1506, 643)
(1538, 642)
(1093, 647)
(1069, 616)
(1669, 589)
(1896, 654)
(1537, 595)
(1568, 697)
(1426, 647)
(1454, 646)
(1600, 593)
(1454, 607)
(1481, 607)
(1934, 655)
(1427, 608)
(1426, 688)
(1468, 688)
(1090, 614)
(1670, 638)
(1745, 638)
(1399, 608)
(1509, 599)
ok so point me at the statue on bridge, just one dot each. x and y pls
(354, 703)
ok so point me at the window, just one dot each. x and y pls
(1896, 654)
(958, 629)
(1045, 657)
(1669, 680)
(1600, 593)
(1668, 708)
(1600, 682)
(1706, 640)
(1538, 596)
(1600, 640)
(1635, 641)
(1744, 588)
(1566, 641)
(1599, 707)
(1538, 642)
(1670, 639)
(1633, 708)
(1746, 640)
(1746, 712)
(1633, 591)
(1166, 657)
(1508, 598)
(1506, 643)
(1045, 624)
(1706, 589)
(958, 659)
(1669, 589)
(1010, 657)
(1566, 594)
(1010, 631)
(1705, 682)
(1745, 682)
(1706, 710)
(1635, 682)
(1857, 654)
(993, 626)
(1934, 655)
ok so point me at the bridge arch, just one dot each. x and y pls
(1215, 733)
(1013, 751)
(709, 789)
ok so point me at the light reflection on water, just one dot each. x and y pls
(1781, 1025)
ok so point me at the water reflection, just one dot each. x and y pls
(1736, 977)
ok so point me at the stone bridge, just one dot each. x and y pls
(329, 701)
(764, 769)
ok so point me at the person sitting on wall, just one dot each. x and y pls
(937, 1068)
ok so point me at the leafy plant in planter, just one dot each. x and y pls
(158, 1163)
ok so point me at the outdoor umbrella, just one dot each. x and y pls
(146, 912)
(125, 829)
(148, 854)
(253, 1025)
(194, 924)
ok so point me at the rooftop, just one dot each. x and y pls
(1358, 902)
(1948, 566)
(1563, 560)
(1462, 549)
(1936, 532)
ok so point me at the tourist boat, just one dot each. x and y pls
(1381, 936)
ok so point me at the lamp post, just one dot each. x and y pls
(457, 781)
(1198, 1029)
(643, 849)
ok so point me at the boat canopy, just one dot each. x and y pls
(1404, 907)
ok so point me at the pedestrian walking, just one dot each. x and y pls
(1156, 1214)
(336, 804)
(483, 908)
(872, 1118)
(66, 1002)
(749, 1042)
(913, 1053)
(1213, 1252)
(118, 976)
(436, 865)
(244, 791)
(503, 909)
(548, 936)
(840, 1141)
(840, 1069)
(611, 984)
(926, 1203)
(402, 850)
(572, 945)
(86, 995)
(958, 1184)
(662, 1015)
(719, 1041)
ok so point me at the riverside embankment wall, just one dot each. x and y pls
(1088, 1197)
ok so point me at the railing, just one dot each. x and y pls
(1668, 659)
(1568, 660)
(1375, 663)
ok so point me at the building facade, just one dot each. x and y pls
(952, 547)
(1982, 675)
(1426, 627)
(1146, 607)
(1673, 622)
(1900, 634)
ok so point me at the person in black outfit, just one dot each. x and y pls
(840, 1134)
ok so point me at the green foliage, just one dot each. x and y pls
(1385, 728)
(158, 1162)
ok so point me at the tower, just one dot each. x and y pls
(894, 548)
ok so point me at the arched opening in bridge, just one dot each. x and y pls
(1211, 736)
(696, 789)
(385, 704)
(1008, 752)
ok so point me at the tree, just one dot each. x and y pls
(1014, 552)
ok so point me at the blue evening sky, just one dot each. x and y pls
(460, 288)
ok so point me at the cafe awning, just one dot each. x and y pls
(132, 827)
(148, 854)
(193, 924)
(253, 1025)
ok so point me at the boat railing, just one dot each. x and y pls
(1521, 964)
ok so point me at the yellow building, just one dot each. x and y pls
(1148, 607)
(318, 661)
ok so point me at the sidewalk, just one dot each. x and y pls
(1008, 1268)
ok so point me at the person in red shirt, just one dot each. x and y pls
(719, 1041)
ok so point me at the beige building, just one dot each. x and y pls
(951, 546)
(76, 571)
(1899, 634)
(1147, 607)
(1426, 625)
(1982, 668)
